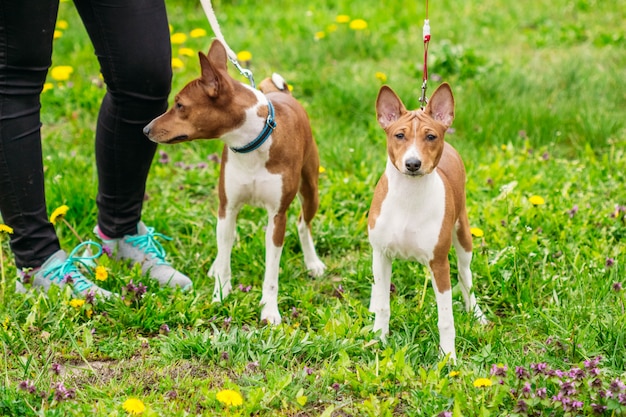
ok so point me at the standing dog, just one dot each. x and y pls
(269, 157)
(418, 209)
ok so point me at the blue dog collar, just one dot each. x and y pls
(270, 125)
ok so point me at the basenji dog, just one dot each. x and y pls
(418, 209)
(269, 157)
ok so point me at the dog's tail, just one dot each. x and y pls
(275, 84)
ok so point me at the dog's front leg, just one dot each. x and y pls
(380, 299)
(440, 272)
(220, 270)
(274, 238)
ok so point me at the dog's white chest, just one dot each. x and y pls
(411, 217)
(247, 181)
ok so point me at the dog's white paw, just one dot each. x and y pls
(222, 287)
(270, 314)
(316, 268)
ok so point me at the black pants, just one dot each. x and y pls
(132, 43)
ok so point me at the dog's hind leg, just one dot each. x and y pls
(309, 201)
(462, 240)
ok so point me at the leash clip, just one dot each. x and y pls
(245, 72)
(423, 98)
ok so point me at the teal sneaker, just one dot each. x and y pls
(144, 249)
(62, 269)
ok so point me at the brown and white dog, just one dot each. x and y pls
(269, 157)
(418, 209)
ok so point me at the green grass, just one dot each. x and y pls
(539, 111)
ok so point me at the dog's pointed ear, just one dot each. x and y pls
(441, 105)
(209, 76)
(214, 69)
(389, 107)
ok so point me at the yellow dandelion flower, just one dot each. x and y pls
(229, 398)
(5, 323)
(47, 86)
(178, 38)
(503, 147)
(322, 169)
(89, 313)
(58, 213)
(77, 302)
(62, 24)
(186, 52)
(319, 35)
(301, 399)
(342, 18)
(6, 229)
(331, 28)
(101, 273)
(358, 24)
(244, 56)
(536, 200)
(57, 34)
(177, 63)
(61, 72)
(134, 406)
(197, 33)
(381, 76)
(452, 374)
(475, 231)
(482, 382)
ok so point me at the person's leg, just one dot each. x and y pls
(26, 33)
(132, 43)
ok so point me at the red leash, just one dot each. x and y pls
(426, 35)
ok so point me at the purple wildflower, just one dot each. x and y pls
(225, 356)
(252, 365)
(545, 156)
(107, 250)
(56, 368)
(90, 297)
(526, 389)
(445, 414)
(164, 329)
(596, 383)
(294, 312)
(27, 385)
(622, 398)
(541, 392)
(576, 373)
(568, 388)
(521, 372)
(164, 158)
(617, 386)
(592, 363)
(539, 368)
(609, 262)
(308, 370)
(499, 370)
(617, 286)
(577, 405)
(336, 386)
(522, 407)
(61, 393)
(227, 321)
(246, 288)
(598, 408)
(67, 279)
(572, 212)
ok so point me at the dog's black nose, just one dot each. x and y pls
(413, 165)
(146, 130)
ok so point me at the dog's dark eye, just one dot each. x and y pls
(430, 137)
(399, 136)
(178, 106)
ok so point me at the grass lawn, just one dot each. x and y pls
(540, 101)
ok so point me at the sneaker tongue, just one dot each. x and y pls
(58, 257)
(141, 228)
